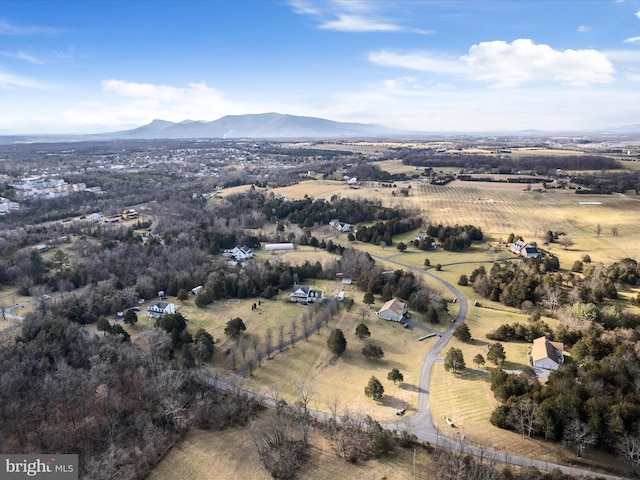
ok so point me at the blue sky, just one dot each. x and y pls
(91, 66)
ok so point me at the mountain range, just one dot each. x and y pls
(280, 126)
(261, 125)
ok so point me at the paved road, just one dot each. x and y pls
(421, 423)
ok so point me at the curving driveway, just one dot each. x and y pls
(421, 423)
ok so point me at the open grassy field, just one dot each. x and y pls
(310, 361)
(468, 401)
(396, 166)
(230, 454)
(531, 214)
(498, 209)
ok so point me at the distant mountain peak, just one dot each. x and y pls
(257, 125)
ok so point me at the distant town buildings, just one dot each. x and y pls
(39, 187)
(7, 206)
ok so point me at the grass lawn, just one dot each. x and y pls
(209, 455)
(346, 376)
(467, 400)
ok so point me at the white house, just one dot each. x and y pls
(393, 310)
(241, 253)
(197, 290)
(6, 206)
(340, 226)
(305, 294)
(547, 354)
(158, 309)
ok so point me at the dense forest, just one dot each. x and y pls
(542, 165)
(65, 390)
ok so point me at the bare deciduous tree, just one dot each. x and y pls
(243, 345)
(306, 324)
(522, 417)
(579, 434)
(293, 331)
(281, 447)
(629, 447)
(281, 336)
(268, 342)
(566, 242)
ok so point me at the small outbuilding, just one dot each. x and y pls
(271, 247)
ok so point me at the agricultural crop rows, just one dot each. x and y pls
(525, 213)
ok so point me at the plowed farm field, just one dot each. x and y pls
(530, 214)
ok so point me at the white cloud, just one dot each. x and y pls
(132, 103)
(505, 64)
(511, 64)
(632, 40)
(421, 61)
(21, 56)
(358, 23)
(348, 15)
(638, 14)
(583, 28)
(623, 56)
(9, 81)
(8, 29)
(423, 107)
(145, 90)
(303, 7)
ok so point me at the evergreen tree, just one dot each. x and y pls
(463, 333)
(395, 376)
(362, 331)
(371, 351)
(336, 342)
(234, 327)
(374, 389)
(368, 298)
(496, 354)
(130, 317)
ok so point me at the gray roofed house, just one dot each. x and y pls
(393, 310)
(523, 249)
(305, 294)
(547, 354)
(158, 309)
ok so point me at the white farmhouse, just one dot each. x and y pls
(158, 309)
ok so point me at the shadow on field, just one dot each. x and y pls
(409, 387)
(473, 375)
